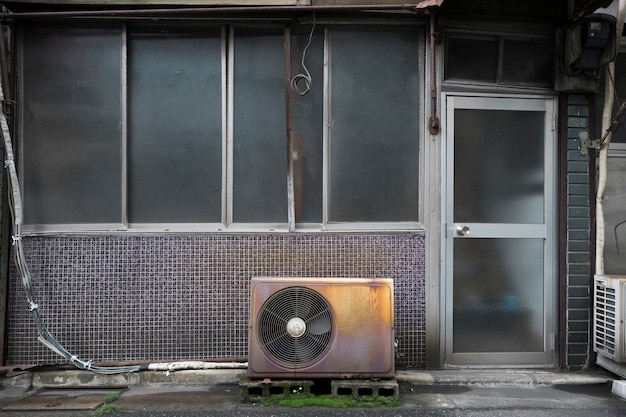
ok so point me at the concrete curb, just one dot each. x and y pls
(199, 378)
(86, 379)
(502, 377)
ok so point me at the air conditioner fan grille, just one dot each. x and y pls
(295, 326)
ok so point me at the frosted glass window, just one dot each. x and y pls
(71, 125)
(528, 62)
(504, 152)
(615, 217)
(126, 124)
(260, 145)
(498, 295)
(472, 59)
(175, 125)
(307, 112)
(374, 129)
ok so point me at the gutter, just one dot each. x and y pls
(221, 10)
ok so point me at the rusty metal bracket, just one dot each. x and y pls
(8, 106)
(586, 143)
(616, 122)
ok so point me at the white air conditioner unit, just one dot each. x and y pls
(609, 305)
(321, 328)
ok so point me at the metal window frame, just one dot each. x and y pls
(227, 225)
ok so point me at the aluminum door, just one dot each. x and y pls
(499, 239)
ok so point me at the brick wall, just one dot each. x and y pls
(578, 300)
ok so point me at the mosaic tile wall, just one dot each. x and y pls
(113, 299)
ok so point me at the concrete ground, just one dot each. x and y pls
(216, 393)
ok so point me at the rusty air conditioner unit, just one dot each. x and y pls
(321, 328)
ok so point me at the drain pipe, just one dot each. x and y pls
(609, 90)
(433, 121)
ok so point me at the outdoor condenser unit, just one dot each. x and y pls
(609, 303)
(321, 328)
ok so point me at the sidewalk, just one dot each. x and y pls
(73, 393)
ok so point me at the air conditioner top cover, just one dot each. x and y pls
(321, 328)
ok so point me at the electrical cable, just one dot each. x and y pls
(45, 336)
(15, 208)
(305, 77)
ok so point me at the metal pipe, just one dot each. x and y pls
(181, 11)
(433, 122)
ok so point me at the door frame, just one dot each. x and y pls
(548, 358)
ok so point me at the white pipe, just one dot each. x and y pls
(609, 90)
(195, 365)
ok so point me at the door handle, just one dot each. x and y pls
(462, 230)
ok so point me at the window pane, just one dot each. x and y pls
(307, 112)
(374, 131)
(71, 126)
(615, 216)
(503, 151)
(528, 62)
(175, 125)
(260, 147)
(472, 59)
(498, 295)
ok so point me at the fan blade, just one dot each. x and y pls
(319, 324)
(303, 305)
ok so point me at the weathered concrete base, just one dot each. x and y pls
(360, 390)
(86, 379)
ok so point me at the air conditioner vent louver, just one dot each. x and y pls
(295, 325)
(609, 307)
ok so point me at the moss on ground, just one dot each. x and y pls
(299, 401)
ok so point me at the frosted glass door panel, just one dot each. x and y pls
(498, 295)
(500, 157)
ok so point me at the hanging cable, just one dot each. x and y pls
(15, 208)
(45, 336)
(301, 83)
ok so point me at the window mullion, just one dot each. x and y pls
(289, 124)
(326, 130)
(124, 122)
(228, 83)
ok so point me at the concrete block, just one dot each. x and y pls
(364, 389)
(258, 390)
(619, 389)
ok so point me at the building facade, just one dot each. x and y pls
(168, 153)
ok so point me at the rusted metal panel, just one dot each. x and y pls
(361, 344)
